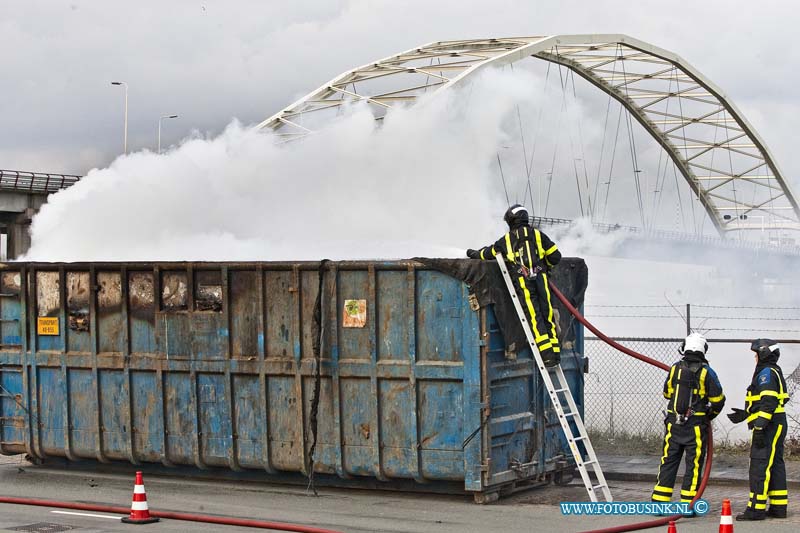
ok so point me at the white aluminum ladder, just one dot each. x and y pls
(557, 387)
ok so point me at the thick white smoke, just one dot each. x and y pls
(420, 184)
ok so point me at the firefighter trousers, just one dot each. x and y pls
(767, 469)
(689, 440)
(535, 297)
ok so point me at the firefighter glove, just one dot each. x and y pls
(759, 438)
(737, 415)
(473, 254)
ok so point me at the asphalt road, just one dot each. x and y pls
(346, 510)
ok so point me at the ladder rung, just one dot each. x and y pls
(595, 487)
(582, 437)
(571, 414)
(593, 461)
(561, 390)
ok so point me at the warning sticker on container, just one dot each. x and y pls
(355, 314)
(47, 325)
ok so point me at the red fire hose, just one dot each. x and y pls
(706, 471)
(208, 519)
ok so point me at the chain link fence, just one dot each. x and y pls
(624, 406)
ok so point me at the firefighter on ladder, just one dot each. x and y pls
(695, 398)
(766, 416)
(533, 254)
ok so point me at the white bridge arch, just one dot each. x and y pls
(723, 159)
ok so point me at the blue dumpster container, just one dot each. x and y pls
(210, 365)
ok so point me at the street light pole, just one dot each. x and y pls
(125, 134)
(159, 129)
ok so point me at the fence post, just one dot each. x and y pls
(688, 319)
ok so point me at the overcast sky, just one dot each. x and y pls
(211, 61)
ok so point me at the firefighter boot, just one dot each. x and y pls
(751, 514)
(776, 511)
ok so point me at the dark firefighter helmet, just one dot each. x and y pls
(766, 349)
(516, 216)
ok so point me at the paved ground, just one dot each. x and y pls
(726, 468)
(350, 511)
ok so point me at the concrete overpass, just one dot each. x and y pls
(22, 194)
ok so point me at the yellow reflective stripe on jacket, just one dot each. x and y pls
(702, 380)
(677, 390)
(775, 394)
(670, 388)
(762, 414)
(509, 251)
(551, 250)
(539, 247)
(715, 399)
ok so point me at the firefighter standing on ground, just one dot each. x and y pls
(533, 254)
(766, 416)
(695, 399)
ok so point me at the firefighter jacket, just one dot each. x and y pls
(766, 396)
(524, 246)
(693, 390)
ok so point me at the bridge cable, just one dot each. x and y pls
(605, 135)
(632, 148)
(657, 200)
(613, 158)
(580, 145)
(536, 138)
(555, 150)
(502, 177)
(565, 109)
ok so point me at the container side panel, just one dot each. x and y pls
(279, 324)
(244, 302)
(514, 430)
(82, 412)
(146, 416)
(214, 414)
(357, 430)
(392, 315)
(249, 420)
(174, 335)
(354, 342)
(439, 316)
(52, 398)
(398, 434)
(10, 310)
(284, 428)
(11, 402)
(48, 304)
(208, 336)
(115, 428)
(441, 429)
(309, 283)
(110, 324)
(78, 294)
(180, 418)
(142, 312)
(325, 454)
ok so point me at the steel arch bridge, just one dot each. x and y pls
(720, 155)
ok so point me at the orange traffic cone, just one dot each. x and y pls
(140, 514)
(725, 519)
(671, 528)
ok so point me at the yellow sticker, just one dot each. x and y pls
(47, 325)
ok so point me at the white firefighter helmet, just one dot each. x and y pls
(694, 343)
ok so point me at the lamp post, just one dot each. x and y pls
(159, 128)
(125, 137)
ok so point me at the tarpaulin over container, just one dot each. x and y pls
(212, 365)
